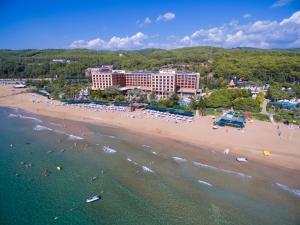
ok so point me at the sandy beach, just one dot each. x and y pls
(249, 142)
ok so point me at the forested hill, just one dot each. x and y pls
(249, 64)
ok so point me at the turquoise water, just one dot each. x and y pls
(137, 186)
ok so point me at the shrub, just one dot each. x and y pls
(246, 104)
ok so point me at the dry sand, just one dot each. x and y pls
(249, 142)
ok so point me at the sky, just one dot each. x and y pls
(138, 24)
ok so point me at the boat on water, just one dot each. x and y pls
(241, 159)
(215, 127)
(93, 198)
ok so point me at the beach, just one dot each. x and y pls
(248, 142)
(143, 178)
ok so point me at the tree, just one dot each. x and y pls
(96, 94)
(198, 104)
(120, 98)
(173, 98)
(152, 97)
(112, 91)
(246, 104)
(260, 98)
(136, 95)
(193, 103)
(223, 98)
(201, 105)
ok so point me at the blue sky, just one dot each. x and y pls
(136, 24)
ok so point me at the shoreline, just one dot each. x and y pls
(249, 142)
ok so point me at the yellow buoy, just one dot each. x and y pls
(59, 168)
(266, 153)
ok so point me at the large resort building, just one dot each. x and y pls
(162, 83)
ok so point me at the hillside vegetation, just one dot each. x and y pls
(249, 64)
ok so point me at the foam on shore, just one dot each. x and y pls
(288, 189)
(146, 146)
(12, 115)
(204, 182)
(70, 136)
(147, 169)
(73, 137)
(109, 150)
(198, 164)
(42, 128)
(178, 159)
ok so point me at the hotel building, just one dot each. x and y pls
(162, 83)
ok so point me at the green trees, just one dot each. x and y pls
(256, 65)
(198, 104)
(246, 104)
(136, 95)
(96, 94)
(279, 91)
(223, 98)
(120, 98)
(152, 97)
(111, 92)
(173, 98)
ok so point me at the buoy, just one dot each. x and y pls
(59, 168)
(266, 153)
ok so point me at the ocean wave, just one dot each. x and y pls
(73, 137)
(288, 189)
(41, 128)
(109, 150)
(204, 182)
(146, 146)
(198, 164)
(178, 159)
(24, 117)
(130, 160)
(147, 169)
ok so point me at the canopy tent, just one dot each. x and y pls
(170, 110)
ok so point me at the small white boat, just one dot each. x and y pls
(93, 198)
(215, 127)
(241, 159)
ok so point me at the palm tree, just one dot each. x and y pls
(135, 95)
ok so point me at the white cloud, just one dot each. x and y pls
(261, 34)
(281, 3)
(295, 18)
(247, 15)
(166, 17)
(144, 22)
(132, 42)
(283, 33)
(87, 44)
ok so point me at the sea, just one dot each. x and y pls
(141, 180)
